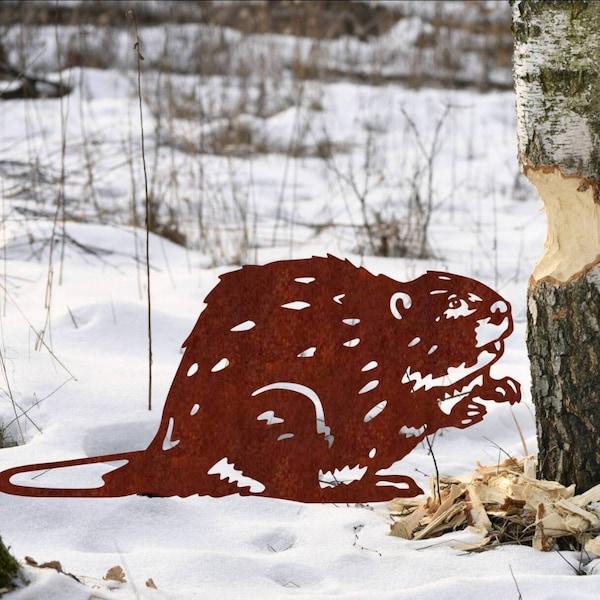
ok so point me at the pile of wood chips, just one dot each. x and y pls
(506, 504)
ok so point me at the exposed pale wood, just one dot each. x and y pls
(495, 497)
(573, 213)
(557, 85)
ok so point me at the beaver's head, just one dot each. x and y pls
(453, 328)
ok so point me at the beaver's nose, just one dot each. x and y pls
(497, 312)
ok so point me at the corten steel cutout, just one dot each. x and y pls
(302, 379)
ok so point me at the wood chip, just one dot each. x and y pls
(115, 573)
(52, 564)
(503, 503)
(593, 545)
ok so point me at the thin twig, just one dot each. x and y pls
(577, 570)
(58, 213)
(131, 13)
(64, 117)
(437, 473)
(72, 317)
(357, 530)
(520, 597)
(11, 396)
(5, 247)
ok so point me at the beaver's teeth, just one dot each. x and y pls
(452, 376)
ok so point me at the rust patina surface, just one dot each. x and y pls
(303, 379)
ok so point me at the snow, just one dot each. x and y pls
(83, 393)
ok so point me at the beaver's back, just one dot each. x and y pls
(321, 322)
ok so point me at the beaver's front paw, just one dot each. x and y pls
(504, 390)
(466, 413)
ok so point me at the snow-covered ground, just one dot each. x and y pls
(82, 391)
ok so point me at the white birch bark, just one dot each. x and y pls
(558, 110)
(557, 84)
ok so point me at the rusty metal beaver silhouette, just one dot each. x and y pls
(302, 379)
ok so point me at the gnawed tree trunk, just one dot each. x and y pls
(557, 83)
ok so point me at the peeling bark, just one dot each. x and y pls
(557, 84)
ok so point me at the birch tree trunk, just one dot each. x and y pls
(557, 84)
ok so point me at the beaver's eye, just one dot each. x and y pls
(457, 307)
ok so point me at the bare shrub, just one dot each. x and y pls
(215, 75)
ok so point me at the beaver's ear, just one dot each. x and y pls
(400, 302)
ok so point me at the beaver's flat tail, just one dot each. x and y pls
(102, 491)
